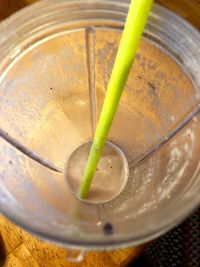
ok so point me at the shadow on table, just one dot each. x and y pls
(2, 252)
(8, 7)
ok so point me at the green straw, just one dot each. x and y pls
(135, 23)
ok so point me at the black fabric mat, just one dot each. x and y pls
(180, 247)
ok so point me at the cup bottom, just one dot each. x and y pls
(110, 177)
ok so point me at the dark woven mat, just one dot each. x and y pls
(180, 247)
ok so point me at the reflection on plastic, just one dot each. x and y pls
(75, 255)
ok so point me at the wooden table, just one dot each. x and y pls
(22, 249)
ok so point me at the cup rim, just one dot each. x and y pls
(37, 8)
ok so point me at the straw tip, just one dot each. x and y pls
(82, 194)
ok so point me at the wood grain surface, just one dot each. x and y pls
(188, 9)
(23, 250)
